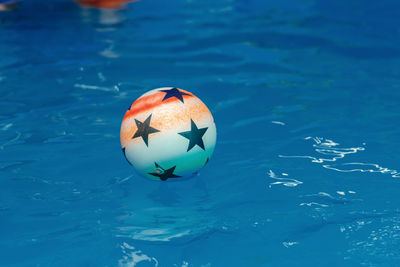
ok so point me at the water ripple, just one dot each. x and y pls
(132, 257)
(324, 199)
(289, 182)
(374, 239)
(330, 148)
(289, 244)
(11, 141)
(362, 167)
(95, 87)
(309, 204)
(327, 147)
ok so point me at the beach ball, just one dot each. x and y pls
(168, 133)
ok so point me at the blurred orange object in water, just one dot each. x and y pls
(8, 5)
(112, 4)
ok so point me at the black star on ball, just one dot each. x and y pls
(195, 136)
(144, 129)
(164, 174)
(174, 92)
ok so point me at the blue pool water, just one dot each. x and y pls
(306, 98)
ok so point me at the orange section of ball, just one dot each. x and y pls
(166, 115)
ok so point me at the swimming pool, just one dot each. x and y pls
(305, 97)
